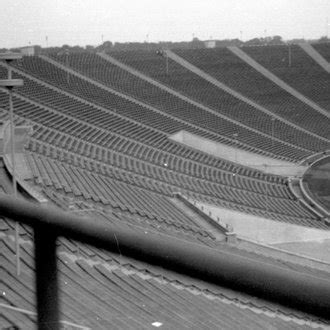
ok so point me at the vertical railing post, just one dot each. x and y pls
(166, 63)
(46, 280)
(10, 84)
(13, 167)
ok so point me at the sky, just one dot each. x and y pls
(89, 22)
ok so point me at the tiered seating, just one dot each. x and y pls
(56, 121)
(5, 183)
(63, 123)
(223, 65)
(107, 119)
(130, 296)
(134, 155)
(303, 73)
(212, 126)
(96, 183)
(100, 159)
(110, 75)
(199, 89)
(103, 189)
(135, 219)
(323, 49)
(130, 162)
(79, 145)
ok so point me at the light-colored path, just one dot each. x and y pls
(242, 157)
(246, 58)
(264, 230)
(319, 249)
(317, 57)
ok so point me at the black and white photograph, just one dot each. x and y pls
(165, 164)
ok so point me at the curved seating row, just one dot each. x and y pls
(297, 69)
(216, 128)
(223, 65)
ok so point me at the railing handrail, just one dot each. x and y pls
(297, 290)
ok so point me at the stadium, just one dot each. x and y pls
(182, 187)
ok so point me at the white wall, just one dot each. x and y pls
(242, 157)
(264, 230)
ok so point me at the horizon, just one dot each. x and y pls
(163, 42)
(92, 22)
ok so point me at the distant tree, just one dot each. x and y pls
(229, 42)
(52, 50)
(276, 40)
(324, 39)
(254, 42)
(297, 41)
(105, 47)
(77, 49)
(90, 48)
(196, 43)
(236, 42)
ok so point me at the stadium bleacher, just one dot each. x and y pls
(100, 147)
(209, 125)
(90, 137)
(323, 50)
(237, 74)
(302, 73)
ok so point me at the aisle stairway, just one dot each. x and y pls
(237, 51)
(236, 94)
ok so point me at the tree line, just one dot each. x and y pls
(195, 43)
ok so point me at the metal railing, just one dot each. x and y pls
(294, 289)
(10, 84)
